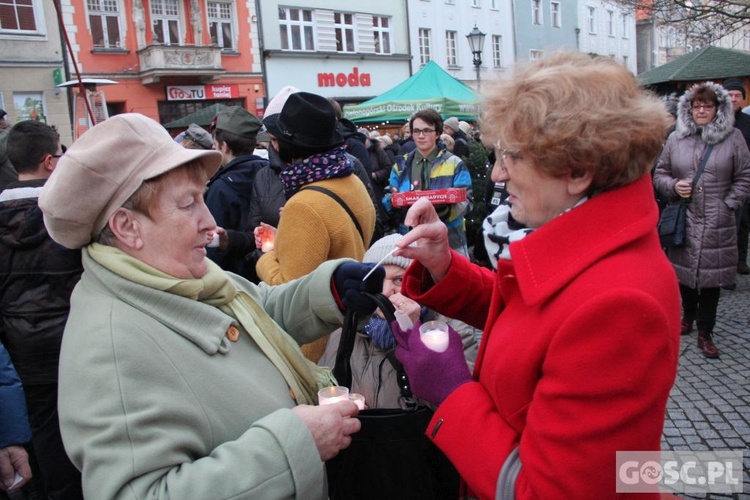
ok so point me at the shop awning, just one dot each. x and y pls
(430, 87)
(201, 117)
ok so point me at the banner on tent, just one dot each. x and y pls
(403, 110)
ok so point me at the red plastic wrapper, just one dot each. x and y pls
(434, 196)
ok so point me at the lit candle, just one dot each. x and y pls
(332, 395)
(434, 334)
(266, 246)
(358, 399)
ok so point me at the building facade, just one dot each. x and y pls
(608, 29)
(543, 26)
(336, 48)
(31, 64)
(438, 30)
(169, 57)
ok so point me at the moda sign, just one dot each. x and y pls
(353, 79)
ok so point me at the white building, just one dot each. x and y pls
(608, 29)
(336, 48)
(438, 29)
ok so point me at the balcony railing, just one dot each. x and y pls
(158, 61)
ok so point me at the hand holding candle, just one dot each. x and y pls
(264, 237)
(435, 362)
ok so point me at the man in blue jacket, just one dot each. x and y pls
(229, 191)
(14, 427)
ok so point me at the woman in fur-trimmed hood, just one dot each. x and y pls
(708, 261)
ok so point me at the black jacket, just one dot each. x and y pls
(355, 143)
(742, 122)
(228, 198)
(37, 277)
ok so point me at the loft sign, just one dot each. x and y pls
(201, 92)
(353, 79)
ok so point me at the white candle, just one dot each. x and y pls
(266, 246)
(434, 334)
(358, 399)
(436, 340)
(332, 395)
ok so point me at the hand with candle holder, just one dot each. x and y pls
(264, 237)
(433, 374)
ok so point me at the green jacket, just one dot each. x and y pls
(156, 402)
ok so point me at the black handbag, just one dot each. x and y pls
(672, 225)
(390, 457)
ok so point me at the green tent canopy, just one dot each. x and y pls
(430, 87)
(202, 117)
(707, 63)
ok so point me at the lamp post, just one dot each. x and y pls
(476, 42)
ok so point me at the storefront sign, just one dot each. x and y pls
(353, 79)
(202, 92)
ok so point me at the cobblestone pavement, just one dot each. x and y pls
(709, 407)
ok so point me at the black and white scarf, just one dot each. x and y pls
(501, 229)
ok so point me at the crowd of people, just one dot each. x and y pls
(171, 306)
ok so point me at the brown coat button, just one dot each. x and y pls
(233, 333)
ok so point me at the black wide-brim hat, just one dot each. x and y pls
(306, 120)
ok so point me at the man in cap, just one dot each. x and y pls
(737, 94)
(38, 278)
(452, 127)
(229, 191)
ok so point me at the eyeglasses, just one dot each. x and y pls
(422, 131)
(707, 107)
(502, 156)
(58, 156)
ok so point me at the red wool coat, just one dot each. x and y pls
(579, 351)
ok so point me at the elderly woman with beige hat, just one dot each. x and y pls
(178, 380)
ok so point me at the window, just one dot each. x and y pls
(555, 8)
(493, 4)
(381, 29)
(611, 23)
(18, 16)
(296, 27)
(29, 105)
(450, 2)
(344, 26)
(165, 21)
(450, 48)
(220, 23)
(475, 3)
(625, 22)
(497, 51)
(535, 54)
(536, 11)
(424, 45)
(104, 22)
(592, 20)
(625, 61)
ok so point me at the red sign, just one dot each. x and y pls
(434, 196)
(353, 79)
(202, 92)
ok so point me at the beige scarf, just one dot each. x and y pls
(215, 288)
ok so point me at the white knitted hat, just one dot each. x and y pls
(381, 247)
(278, 101)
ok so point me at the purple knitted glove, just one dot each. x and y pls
(432, 375)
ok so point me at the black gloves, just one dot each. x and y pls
(347, 279)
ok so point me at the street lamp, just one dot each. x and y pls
(476, 42)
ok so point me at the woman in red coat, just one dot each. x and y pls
(582, 317)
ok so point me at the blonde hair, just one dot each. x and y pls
(574, 113)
